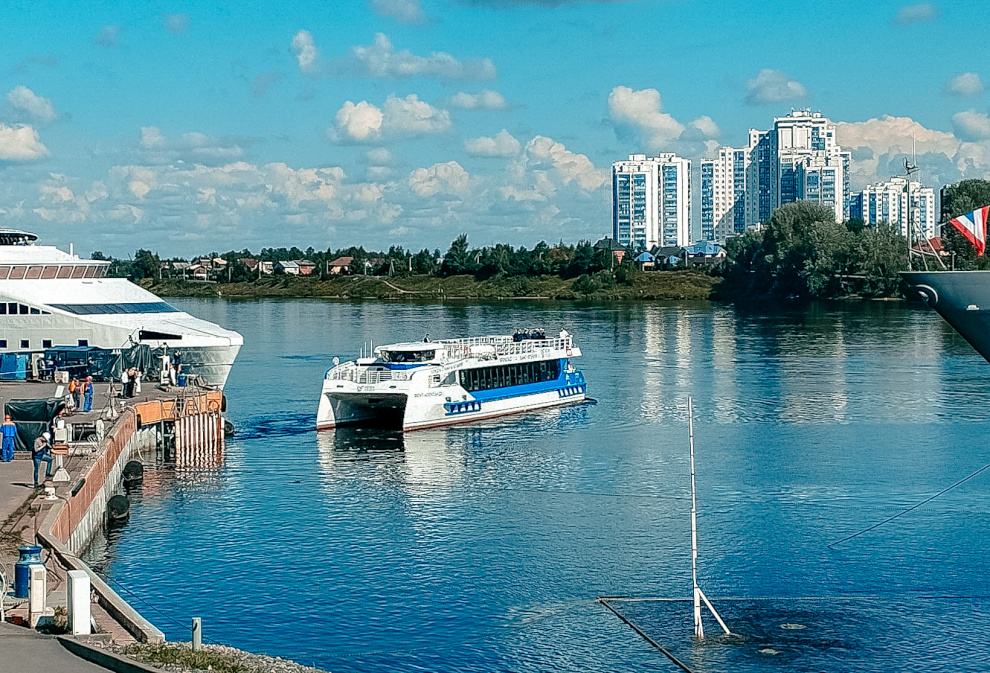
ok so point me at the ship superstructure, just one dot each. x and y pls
(51, 299)
(432, 383)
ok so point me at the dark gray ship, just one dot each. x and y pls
(962, 298)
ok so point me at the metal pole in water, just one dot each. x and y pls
(197, 633)
(699, 595)
(699, 628)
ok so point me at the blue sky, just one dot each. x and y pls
(191, 126)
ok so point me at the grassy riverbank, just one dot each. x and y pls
(600, 286)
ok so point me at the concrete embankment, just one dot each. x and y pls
(186, 429)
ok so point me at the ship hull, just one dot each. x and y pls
(962, 298)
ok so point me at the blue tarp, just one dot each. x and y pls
(13, 366)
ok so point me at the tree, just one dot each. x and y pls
(458, 258)
(879, 256)
(959, 199)
(98, 256)
(145, 265)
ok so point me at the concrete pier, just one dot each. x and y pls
(180, 425)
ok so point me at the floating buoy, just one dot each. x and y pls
(228, 428)
(792, 627)
(118, 508)
(133, 472)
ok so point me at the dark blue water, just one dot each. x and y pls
(484, 547)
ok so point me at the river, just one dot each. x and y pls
(484, 547)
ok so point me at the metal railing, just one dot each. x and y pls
(363, 376)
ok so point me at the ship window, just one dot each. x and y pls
(83, 343)
(4, 272)
(408, 356)
(17, 272)
(133, 307)
(35, 311)
(49, 272)
(34, 272)
(3, 343)
(64, 271)
(151, 335)
(12, 309)
(25, 343)
(91, 271)
(22, 309)
(78, 271)
(3, 309)
(46, 343)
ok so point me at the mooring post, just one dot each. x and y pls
(197, 633)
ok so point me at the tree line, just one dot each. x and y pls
(800, 252)
(563, 260)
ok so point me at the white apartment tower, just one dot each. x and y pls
(651, 201)
(797, 159)
(723, 194)
(887, 202)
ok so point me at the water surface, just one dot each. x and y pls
(483, 547)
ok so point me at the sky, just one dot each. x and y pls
(190, 127)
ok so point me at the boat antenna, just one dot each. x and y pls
(699, 595)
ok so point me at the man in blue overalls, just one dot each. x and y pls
(9, 433)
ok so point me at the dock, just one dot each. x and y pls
(163, 424)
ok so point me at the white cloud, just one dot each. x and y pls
(404, 11)
(502, 145)
(971, 125)
(483, 100)
(911, 14)
(307, 55)
(569, 165)
(20, 142)
(362, 122)
(772, 86)
(379, 156)
(966, 84)
(25, 101)
(191, 146)
(176, 23)
(446, 178)
(641, 113)
(410, 115)
(379, 60)
(879, 147)
(107, 37)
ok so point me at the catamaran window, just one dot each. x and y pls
(408, 356)
(46, 343)
(488, 378)
(34, 272)
(17, 272)
(23, 310)
(25, 343)
(64, 271)
(49, 272)
(3, 343)
(83, 343)
(136, 307)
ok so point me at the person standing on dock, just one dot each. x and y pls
(74, 391)
(87, 387)
(42, 453)
(9, 432)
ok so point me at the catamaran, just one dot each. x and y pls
(433, 383)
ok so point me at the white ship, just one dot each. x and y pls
(51, 299)
(432, 383)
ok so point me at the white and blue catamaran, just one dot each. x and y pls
(432, 383)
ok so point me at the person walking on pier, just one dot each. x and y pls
(42, 453)
(87, 387)
(9, 432)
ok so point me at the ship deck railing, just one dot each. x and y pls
(454, 350)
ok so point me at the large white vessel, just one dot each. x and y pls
(431, 383)
(51, 299)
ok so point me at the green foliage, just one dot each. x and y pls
(457, 260)
(803, 252)
(587, 284)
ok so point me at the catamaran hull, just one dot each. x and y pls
(341, 409)
(962, 298)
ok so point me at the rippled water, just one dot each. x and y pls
(484, 547)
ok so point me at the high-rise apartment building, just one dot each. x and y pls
(651, 201)
(797, 159)
(887, 202)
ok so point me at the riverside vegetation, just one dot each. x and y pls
(800, 252)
